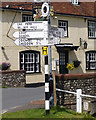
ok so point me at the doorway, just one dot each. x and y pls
(63, 60)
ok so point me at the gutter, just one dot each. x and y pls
(65, 14)
(13, 9)
(72, 15)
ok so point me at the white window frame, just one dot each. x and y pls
(37, 62)
(63, 24)
(75, 2)
(92, 29)
(22, 62)
(26, 17)
(91, 60)
(30, 60)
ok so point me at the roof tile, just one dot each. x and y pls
(83, 9)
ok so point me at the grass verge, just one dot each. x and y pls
(55, 112)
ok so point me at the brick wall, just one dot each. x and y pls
(11, 78)
(71, 82)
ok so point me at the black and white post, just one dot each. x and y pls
(47, 95)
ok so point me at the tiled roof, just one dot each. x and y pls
(83, 9)
(17, 5)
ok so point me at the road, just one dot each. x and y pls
(12, 97)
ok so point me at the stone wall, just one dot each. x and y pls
(12, 78)
(72, 82)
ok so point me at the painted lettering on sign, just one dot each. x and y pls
(34, 34)
(35, 25)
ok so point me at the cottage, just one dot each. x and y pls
(77, 45)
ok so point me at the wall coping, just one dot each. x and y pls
(12, 71)
(77, 76)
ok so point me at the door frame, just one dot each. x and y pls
(66, 61)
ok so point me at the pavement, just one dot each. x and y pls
(31, 105)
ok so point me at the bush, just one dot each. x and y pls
(72, 65)
(76, 63)
(5, 66)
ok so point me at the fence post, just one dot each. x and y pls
(79, 101)
(54, 89)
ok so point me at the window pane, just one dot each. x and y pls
(87, 61)
(37, 67)
(92, 29)
(22, 66)
(75, 2)
(93, 66)
(37, 58)
(62, 58)
(63, 24)
(32, 67)
(22, 58)
(91, 60)
(32, 58)
(26, 57)
(92, 57)
(27, 18)
(30, 61)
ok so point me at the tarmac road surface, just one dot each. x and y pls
(13, 97)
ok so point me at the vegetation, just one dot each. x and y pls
(55, 112)
(5, 66)
(4, 86)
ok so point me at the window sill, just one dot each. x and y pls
(91, 38)
(65, 37)
(33, 72)
(90, 69)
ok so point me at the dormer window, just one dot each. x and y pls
(75, 2)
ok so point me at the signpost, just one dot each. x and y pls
(56, 32)
(34, 25)
(32, 34)
(36, 33)
(36, 42)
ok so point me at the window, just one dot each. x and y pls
(64, 25)
(26, 17)
(92, 29)
(30, 61)
(75, 2)
(91, 60)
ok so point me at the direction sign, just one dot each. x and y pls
(56, 32)
(33, 34)
(36, 33)
(37, 42)
(54, 40)
(35, 25)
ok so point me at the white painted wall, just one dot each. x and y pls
(77, 28)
